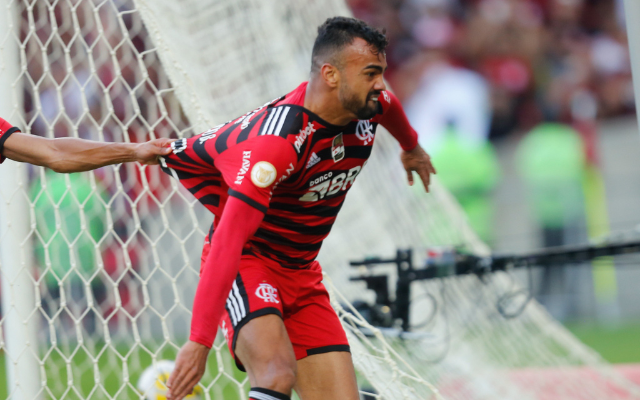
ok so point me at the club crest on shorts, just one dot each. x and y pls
(263, 174)
(337, 148)
(267, 293)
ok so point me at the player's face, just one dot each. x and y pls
(361, 79)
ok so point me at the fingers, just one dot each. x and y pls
(410, 177)
(432, 168)
(182, 380)
(182, 385)
(425, 176)
(162, 146)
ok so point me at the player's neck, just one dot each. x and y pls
(325, 104)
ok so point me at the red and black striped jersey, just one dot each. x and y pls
(285, 161)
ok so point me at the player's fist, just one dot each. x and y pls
(149, 152)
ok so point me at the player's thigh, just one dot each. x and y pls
(327, 376)
(264, 348)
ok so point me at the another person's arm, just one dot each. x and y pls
(413, 157)
(67, 155)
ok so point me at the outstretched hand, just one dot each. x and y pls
(149, 152)
(191, 363)
(419, 161)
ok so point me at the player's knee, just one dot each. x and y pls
(279, 374)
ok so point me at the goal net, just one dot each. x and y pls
(99, 269)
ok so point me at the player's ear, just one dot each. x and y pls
(330, 74)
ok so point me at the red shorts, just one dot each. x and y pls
(297, 296)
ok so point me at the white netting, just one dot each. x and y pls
(99, 269)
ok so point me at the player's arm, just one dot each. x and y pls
(67, 155)
(272, 160)
(238, 223)
(413, 156)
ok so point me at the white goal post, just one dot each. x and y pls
(18, 296)
(107, 261)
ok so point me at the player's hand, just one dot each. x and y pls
(148, 152)
(190, 366)
(419, 161)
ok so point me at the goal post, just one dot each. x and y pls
(19, 314)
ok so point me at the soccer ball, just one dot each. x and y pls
(152, 382)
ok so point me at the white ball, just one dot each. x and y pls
(152, 382)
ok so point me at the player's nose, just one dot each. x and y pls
(380, 85)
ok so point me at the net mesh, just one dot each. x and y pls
(99, 269)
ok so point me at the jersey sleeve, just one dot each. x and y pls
(255, 167)
(192, 165)
(6, 129)
(394, 119)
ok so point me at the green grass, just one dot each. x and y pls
(617, 344)
(113, 367)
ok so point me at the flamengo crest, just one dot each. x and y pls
(364, 131)
(267, 293)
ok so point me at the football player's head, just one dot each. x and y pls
(349, 56)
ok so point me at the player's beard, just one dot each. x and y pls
(352, 102)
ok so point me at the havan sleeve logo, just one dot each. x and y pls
(246, 155)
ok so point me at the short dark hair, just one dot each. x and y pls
(337, 32)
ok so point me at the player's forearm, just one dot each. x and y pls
(66, 154)
(396, 122)
(238, 223)
(76, 155)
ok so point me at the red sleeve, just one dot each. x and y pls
(395, 121)
(253, 168)
(6, 129)
(238, 223)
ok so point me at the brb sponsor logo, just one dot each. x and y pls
(329, 184)
(246, 155)
(267, 293)
(303, 135)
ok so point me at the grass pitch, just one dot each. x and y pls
(616, 345)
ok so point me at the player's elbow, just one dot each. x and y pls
(60, 168)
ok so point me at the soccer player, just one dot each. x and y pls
(275, 179)
(67, 155)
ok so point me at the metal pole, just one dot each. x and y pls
(632, 16)
(19, 319)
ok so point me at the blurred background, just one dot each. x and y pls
(527, 108)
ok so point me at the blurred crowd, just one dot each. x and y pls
(539, 73)
(541, 60)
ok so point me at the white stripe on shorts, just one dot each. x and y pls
(260, 396)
